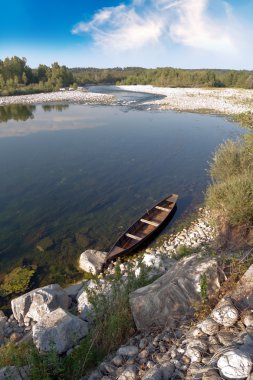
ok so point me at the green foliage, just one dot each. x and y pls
(183, 251)
(16, 77)
(233, 198)
(231, 194)
(17, 281)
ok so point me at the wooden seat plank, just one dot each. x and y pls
(134, 237)
(162, 208)
(149, 222)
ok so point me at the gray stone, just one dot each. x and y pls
(84, 306)
(14, 373)
(234, 364)
(167, 369)
(36, 304)
(211, 374)
(226, 338)
(170, 297)
(92, 261)
(118, 360)
(127, 351)
(209, 326)
(153, 374)
(74, 289)
(129, 373)
(225, 314)
(58, 331)
(247, 318)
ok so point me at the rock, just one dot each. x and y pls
(129, 373)
(170, 297)
(247, 318)
(167, 369)
(92, 261)
(14, 373)
(225, 314)
(226, 338)
(74, 289)
(84, 307)
(194, 354)
(209, 326)
(234, 364)
(211, 374)
(153, 374)
(15, 337)
(36, 304)
(127, 351)
(118, 360)
(95, 375)
(58, 331)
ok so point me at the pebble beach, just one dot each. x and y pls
(74, 96)
(222, 101)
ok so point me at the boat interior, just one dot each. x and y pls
(145, 226)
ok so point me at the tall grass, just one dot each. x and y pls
(230, 195)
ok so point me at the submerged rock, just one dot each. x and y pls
(92, 261)
(58, 331)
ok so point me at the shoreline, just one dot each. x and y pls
(75, 96)
(227, 102)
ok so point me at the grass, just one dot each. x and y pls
(230, 196)
(113, 325)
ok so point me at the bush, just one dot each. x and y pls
(231, 194)
(233, 199)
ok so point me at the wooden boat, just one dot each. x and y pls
(143, 228)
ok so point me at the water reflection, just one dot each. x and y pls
(56, 107)
(23, 112)
(17, 112)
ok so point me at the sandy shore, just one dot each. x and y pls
(59, 96)
(224, 101)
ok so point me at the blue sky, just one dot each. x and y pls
(147, 33)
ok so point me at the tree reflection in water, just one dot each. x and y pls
(23, 112)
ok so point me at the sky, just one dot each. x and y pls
(143, 33)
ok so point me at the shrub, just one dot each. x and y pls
(231, 194)
(233, 198)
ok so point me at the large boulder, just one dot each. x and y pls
(92, 261)
(34, 305)
(58, 331)
(171, 297)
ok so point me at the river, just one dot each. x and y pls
(76, 176)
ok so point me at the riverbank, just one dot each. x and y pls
(74, 96)
(222, 101)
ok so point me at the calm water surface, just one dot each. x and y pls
(74, 177)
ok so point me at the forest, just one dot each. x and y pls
(16, 77)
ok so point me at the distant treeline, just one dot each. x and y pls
(16, 77)
(167, 77)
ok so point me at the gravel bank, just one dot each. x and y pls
(225, 101)
(59, 96)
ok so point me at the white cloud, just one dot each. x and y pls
(145, 22)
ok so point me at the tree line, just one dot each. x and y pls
(166, 77)
(16, 77)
